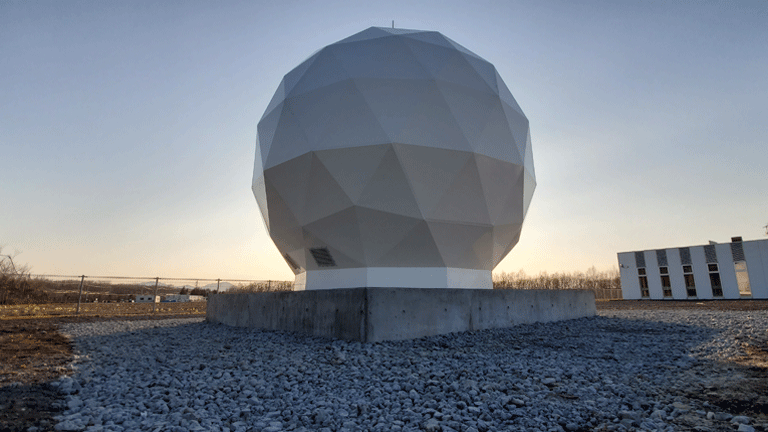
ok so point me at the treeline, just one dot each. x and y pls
(606, 284)
(195, 291)
(263, 286)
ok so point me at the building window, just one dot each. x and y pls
(714, 280)
(710, 253)
(639, 259)
(685, 255)
(644, 293)
(742, 278)
(666, 287)
(690, 283)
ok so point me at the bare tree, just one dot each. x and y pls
(8, 266)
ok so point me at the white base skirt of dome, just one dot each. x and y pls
(394, 277)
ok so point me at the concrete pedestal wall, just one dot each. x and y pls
(380, 314)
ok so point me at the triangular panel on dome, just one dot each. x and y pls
(463, 245)
(277, 99)
(288, 142)
(519, 126)
(266, 129)
(505, 237)
(388, 189)
(324, 196)
(340, 231)
(380, 58)
(353, 167)
(464, 200)
(529, 155)
(381, 231)
(260, 193)
(499, 180)
(324, 71)
(506, 95)
(469, 108)
(511, 204)
(497, 139)
(296, 74)
(400, 31)
(429, 124)
(289, 181)
(392, 102)
(416, 249)
(285, 232)
(369, 33)
(430, 171)
(337, 116)
(482, 121)
(432, 58)
(485, 70)
(529, 184)
(461, 48)
(432, 38)
(448, 65)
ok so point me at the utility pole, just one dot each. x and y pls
(154, 298)
(80, 296)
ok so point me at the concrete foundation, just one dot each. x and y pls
(380, 314)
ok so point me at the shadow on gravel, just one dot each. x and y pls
(25, 406)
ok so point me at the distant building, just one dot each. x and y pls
(715, 271)
(178, 298)
(147, 298)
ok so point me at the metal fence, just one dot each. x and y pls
(31, 294)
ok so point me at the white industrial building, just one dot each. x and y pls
(182, 298)
(735, 270)
(140, 298)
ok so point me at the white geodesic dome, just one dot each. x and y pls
(393, 158)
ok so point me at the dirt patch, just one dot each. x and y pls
(110, 310)
(32, 354)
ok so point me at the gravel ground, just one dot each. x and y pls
(622, 370)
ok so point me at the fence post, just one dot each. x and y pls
(80, 296)
(218, 283)
(154, 299)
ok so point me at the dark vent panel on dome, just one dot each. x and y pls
(322, 257)
(291, 262)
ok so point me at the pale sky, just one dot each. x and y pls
(128, 128)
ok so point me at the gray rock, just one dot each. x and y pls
(741, 420)
(600, 373)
